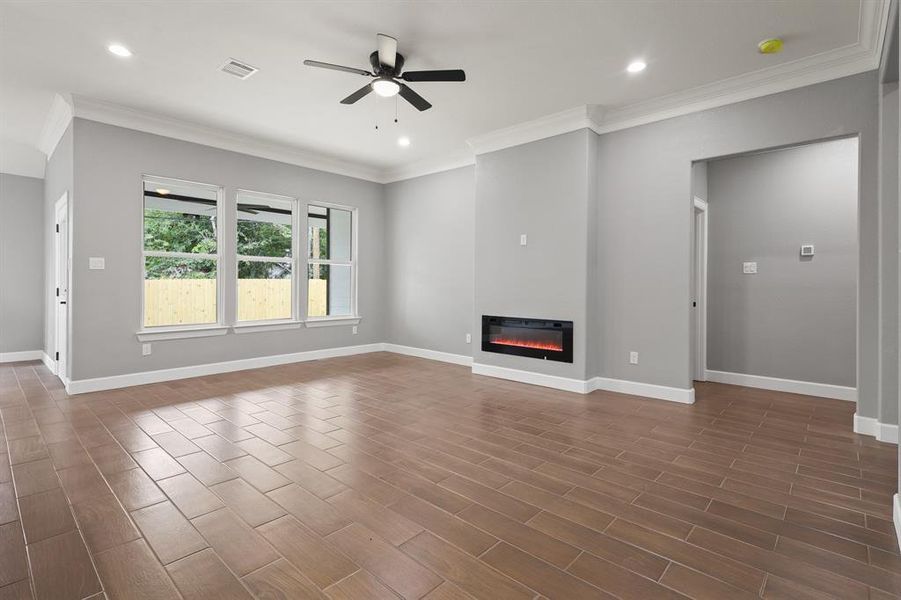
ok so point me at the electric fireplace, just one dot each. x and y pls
(535, 338)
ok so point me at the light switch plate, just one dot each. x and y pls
(806, 249)
(96, 262)
(749, 268)
(523, 239)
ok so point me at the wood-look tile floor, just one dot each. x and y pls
(383, 476)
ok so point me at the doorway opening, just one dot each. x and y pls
(61, 292)
(774, 270)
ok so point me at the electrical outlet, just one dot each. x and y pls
(354, 330)
(468, 338)
(749, 268)
(633, 358)
(146, 349)
(523, 239)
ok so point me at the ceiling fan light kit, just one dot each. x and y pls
(386, 70)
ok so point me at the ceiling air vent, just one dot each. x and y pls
(239, 69)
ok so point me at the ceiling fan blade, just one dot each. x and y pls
(440, 75)
(358, 94)
(387, 50)
(413, 98)
(325, 65)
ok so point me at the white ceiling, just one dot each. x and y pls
(523, 60)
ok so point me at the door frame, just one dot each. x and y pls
(61, 366)
(700, 225)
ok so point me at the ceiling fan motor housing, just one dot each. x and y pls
(380, 69)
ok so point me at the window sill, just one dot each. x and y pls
(256, 326)
(331, 321)
(180, 333)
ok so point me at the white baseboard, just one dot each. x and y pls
(579, 386)
(457, 359)
(552, 381)
(809, 388)
(896, 516)
(649, 390)
(6, 357)
(81, 386)
(883, 432)
(48, 362)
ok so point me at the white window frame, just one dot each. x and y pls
(294, 319)
(161, 332)
(354, 317)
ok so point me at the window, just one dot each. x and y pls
(266, 257)
(181, 253)
(331, 268)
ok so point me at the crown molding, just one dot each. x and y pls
(565, 121)
(131, 118)
(55, 124)
(428, 167)
(865, 55)
(848, 60)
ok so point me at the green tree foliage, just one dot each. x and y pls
(170, 231)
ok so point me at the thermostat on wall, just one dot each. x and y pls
(806, 249)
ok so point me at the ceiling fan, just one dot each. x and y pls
(386, 70)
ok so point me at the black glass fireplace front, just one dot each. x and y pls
(535, 338)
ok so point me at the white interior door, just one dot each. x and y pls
(61, 297)
(699, 287)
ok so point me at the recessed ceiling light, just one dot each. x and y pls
(385, 87)
(636, 66)
(119, 50)
(162, 191)
(403, 141)
(770, 46)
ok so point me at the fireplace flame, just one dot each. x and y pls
(528, 344)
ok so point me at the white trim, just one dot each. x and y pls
(580, 117)
(863, 55)
(48, 362)
(647, 390)
(180, 333)
(428, 167)
(552, 381)
(82, 386)
(148, 122)
(457, 359)
(579, 386)
(220, 221)
(810, 388)
(352, 263)
(21, 355)
(297, 230)
(55, 124)
(700, 242)
(883, 432)
(256, 326)
(896, 515)
(331, 321)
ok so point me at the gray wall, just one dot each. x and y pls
(888, 256)
(429, 256)
(545, 190)
(21, 263)
(107, 216)
(795, 318)
(645, 216)
(59, 178)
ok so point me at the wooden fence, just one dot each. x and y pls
(182, 301)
